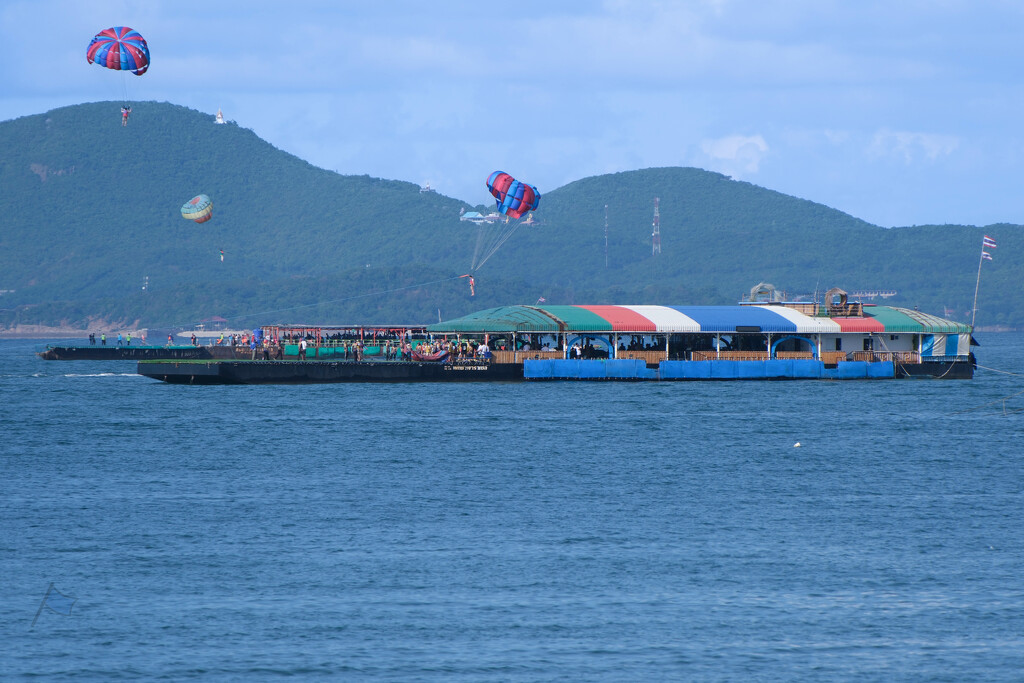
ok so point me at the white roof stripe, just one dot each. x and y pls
(805, 324)
(666, 319)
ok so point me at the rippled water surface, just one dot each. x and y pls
(573, 531)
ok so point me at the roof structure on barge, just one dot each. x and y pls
(693, 320)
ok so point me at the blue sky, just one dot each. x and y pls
(900, 112)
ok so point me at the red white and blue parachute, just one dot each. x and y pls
(121, 49)
(513, 197)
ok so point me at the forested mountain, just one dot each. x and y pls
(90, 214)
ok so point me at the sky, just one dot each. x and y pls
(898, 112)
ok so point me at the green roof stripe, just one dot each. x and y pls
(903, 320)
(579, 319)
(892, 320)
(935, 325)
(501, 319)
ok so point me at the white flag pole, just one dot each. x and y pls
(974, 307)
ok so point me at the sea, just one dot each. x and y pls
(568, 531)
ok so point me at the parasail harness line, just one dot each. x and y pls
(487, 247)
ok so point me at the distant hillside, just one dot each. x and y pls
(91, 214)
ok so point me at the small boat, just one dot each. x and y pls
(432, 357)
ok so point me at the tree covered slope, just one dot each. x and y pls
(91, 214)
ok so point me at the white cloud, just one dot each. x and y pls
(735, 155)
(910, 147)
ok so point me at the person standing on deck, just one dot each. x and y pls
(120, 339)
(103, 338)
(302, 349)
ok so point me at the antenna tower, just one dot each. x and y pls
(605, 235)
(656, 235)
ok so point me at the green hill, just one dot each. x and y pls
(91, 214)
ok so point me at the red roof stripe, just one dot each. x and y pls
(859, 325)
(622, 318)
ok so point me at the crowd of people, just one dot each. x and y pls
(391, 347)
(456, 349)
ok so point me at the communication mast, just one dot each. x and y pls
(605, 235)
(656, 235)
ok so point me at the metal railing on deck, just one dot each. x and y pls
(520, 356)
(883, 356)
(729, 355)
(655, 357)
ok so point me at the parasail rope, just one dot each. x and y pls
(1002, 372)
(992, 403)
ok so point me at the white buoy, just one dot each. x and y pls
(796, 445)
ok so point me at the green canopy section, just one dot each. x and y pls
(578, 319)
(904, 320)
(501, 319)
(936, 325)
(546, 319)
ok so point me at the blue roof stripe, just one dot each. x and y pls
(728, 318)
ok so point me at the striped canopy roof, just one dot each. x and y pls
(693, 319)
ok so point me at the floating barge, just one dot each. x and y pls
(754, 340)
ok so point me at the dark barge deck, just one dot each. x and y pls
(139, 352)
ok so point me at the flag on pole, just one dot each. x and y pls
(988, 242)
(56, 602)
(987, 256)
(542, 300)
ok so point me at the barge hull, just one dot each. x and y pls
(328, 372)
(959, 369)
(324, 372)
